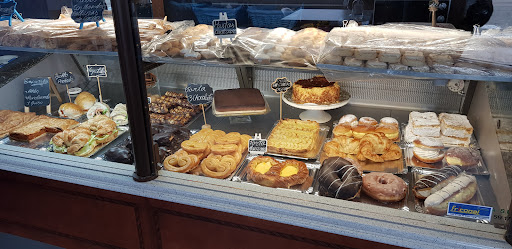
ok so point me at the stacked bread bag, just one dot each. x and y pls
(395, 46)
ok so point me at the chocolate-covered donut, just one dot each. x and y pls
(340, 179)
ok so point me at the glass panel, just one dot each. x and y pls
(44, 60)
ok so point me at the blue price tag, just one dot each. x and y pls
(469, 211)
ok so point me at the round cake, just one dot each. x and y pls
(317, 90)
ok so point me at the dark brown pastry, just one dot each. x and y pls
(339, 179)
(430, 184)
(120, 155)
(243, 99)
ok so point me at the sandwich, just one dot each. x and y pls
(85, 100)
(98, 109)
(78, 141)
(70, 110)
(104, 129)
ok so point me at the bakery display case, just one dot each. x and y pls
(405, 140)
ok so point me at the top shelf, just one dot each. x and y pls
(325, 68)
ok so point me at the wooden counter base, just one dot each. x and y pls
(74, 216)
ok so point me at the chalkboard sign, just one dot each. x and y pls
(257, 146)
(96, 71)
(37, 91)
(224, 28)
(64, 78)
(87, 10)
(198, 94)
(7, 9)
(281, 85)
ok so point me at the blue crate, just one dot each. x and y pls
(205, 14)
(268, 17)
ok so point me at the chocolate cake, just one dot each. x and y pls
(237, 100)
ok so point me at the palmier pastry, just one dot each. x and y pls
(384, 187)
(218, 166)
(194, 147)
(339, 179)
(245, 141)
(224, 149)
(432, 183)
(268, 172)
(181, 161)
(230, 138)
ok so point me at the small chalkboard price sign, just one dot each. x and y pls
(199, 94)
(36, 92)
(65, 78)
(7, 10)
(224, 27)
(88, 11)
(257, 145)
(97, 71)
(280, 86)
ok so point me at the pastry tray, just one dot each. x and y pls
(418, 203)
(410, 160)
(42, 142)
(322, 136)
(306, 187)
(395, 167)
(363, 198)
(240, 113)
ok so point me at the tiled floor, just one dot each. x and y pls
(8, 241)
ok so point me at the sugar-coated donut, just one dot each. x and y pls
(339, 179)
(384, 187)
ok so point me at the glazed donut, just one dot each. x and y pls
(230, 138)
(432, 183)
(384, 187)
(194, 147)
(461, 190)
(339, 179)
(218, 166)
(181, 162)
(278, 175)
(224, 149)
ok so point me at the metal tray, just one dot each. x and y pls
(322, 136)
(418, 203)
(42, 142)
(395, 167)
(410, 160)
(306, 187)
(363, 198)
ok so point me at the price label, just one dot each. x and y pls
(64, 78)
(96, 71)
(199, 94)
(469, 211)
(7, 9)
(88, 10)
(224, 28)
(257, 145)
(281, 85)
(36, 91)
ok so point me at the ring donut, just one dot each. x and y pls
(268, 172)
(384, 187)
(339, 179)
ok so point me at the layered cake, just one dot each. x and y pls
(317, 90)
(239, 100)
